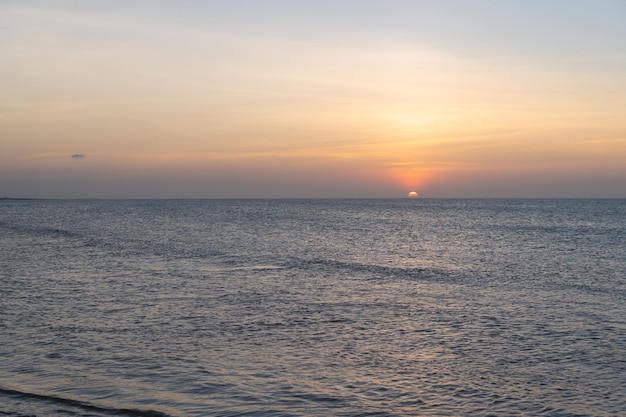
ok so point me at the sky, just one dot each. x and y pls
(312, 99)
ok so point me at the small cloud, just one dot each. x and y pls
(78, 156)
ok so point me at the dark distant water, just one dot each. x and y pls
(313, 308)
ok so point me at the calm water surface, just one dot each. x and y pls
(313, 307)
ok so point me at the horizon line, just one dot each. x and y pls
(304, 198)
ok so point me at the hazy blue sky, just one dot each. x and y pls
(313, 98)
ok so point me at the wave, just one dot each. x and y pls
(222, 259)
(39, 231)
(125, 247)
(79, 404)
(379, 271)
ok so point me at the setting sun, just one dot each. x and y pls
(413, 194)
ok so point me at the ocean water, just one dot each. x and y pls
(313, 308)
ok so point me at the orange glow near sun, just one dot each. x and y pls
(409, 178)
(413, 194)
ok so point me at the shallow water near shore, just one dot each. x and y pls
(313, 307)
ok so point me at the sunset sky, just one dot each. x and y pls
(341, 98)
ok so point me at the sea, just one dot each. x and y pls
(340, 307)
